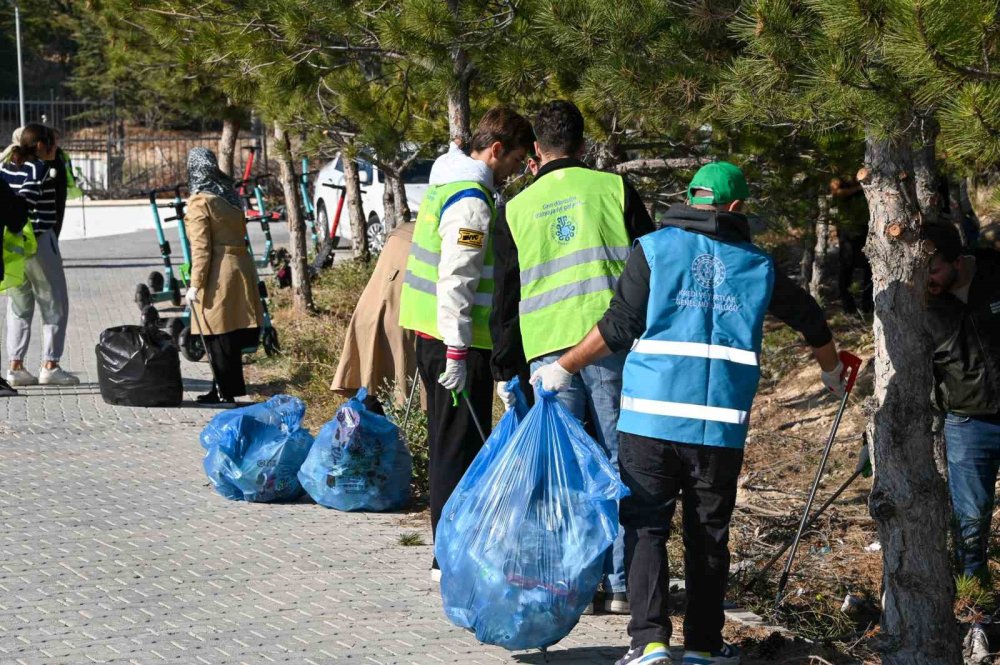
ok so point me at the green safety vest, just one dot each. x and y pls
(17, 248)
(569, 229)
(418, 306)
(73, 190)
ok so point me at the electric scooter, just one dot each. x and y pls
(162, 286)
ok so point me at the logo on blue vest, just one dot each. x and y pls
(563, 230)
(708, 271)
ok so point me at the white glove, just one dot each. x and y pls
(834, 380)
(453, 377)
(506, 396)
(193, 295)
(552, 377)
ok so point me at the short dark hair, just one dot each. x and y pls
(943, 240)
(559, 127)
(503, 124)
(31, 135)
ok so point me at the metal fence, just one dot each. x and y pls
(114, 159)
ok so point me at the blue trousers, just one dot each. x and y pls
(597, 391)
(973, 463)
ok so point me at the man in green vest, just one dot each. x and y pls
(447, 293)
(561, 245)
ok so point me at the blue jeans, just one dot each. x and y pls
(597, 390)
(973, 463)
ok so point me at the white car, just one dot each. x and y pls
(329, 188)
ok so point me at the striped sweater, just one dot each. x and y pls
(33, 182)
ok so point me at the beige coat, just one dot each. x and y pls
(376, 349)
(221, 267)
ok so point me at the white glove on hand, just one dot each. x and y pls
(506, 396)
(453, 377)
(834, 380)
(193, 295)
(552, 377)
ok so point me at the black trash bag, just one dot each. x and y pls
(139, 366)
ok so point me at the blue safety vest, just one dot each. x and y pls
(693, 374)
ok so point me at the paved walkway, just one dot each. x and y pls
(116, 550)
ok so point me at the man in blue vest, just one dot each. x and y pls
(690, 306)
(561, 245)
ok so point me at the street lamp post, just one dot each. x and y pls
(20, 70)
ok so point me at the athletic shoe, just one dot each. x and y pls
(616, 603)
(57, 377)
(21, 377)
(6, 390)
(654, 653)
(436, 575)
(595, 604)
(727, 655)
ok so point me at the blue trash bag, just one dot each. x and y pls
(522, 540)
(359, 461)
(254, 452)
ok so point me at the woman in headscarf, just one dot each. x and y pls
(223, 289)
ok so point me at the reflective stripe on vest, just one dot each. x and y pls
(572, 244)
(418, 304)
(693, 374)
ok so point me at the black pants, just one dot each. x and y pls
(452, 436)
(656, 472)
(226, 358)
(852, 258)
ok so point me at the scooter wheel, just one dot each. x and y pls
(175, 292)
(155, 281)
(191, 345)
(150, 317)
(143, 298)
(270, 341)
(174, 329)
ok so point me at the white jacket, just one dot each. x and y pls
(461, 265)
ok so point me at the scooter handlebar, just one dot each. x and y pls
(852, 365)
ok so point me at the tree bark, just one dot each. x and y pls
(925, 167)
(389, 215)
(355, 212)
(403, 212)
(459, 108)
(822, 247)
(302, 299)
(227, 142)
(909, 499)
(671, 163)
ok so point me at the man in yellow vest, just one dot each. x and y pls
(561, 245)
(447, 293)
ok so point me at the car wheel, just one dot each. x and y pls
(376, 235)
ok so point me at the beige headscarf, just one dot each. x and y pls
(15, 140)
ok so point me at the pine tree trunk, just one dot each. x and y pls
(925, 168)
(403, 212)
(355, 212)
(302, 299)
(388, 204)
(822, 247)
(459, 108)
(909, 500)
(227, 142)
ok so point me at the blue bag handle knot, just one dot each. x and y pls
(362, 395)
(547, 394)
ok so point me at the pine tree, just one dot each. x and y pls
(893, 70)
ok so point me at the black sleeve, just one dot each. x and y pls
(62, 190)
(508, 358)
(795, 307)
(625, 320)
(14, 209)
(637, 220)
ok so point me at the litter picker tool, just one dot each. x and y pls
(472, 411)
(409, 400)
(201, 334)
(852, 365)
(863, 469)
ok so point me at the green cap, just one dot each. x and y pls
(724, 180)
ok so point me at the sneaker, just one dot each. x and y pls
(616, 603)
(654, 653)
(593, 605)
(57, 377)
(727, 655)
(21, 377)
(6, 390)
